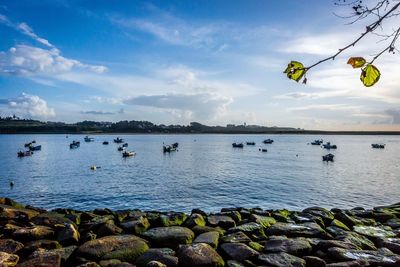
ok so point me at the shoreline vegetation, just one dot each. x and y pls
(15, 125)
(233, 237)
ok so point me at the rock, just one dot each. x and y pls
(136, 227)
(107, 229)
(8, 259)
(393, 223)
(347, 264)
(106, 263)
(346, 219)
(65, 252)
(234, 214)
(122, 264)
(325, 214)
(123, 247)
(42, 258)
(324, 245)
(254, 230)
(199, 255)
(10, 246)
(312, 261)
(238, 237)
(172, 219)
(281, 215)
(296, 246)
(193, 220)
(238, 251)
(204, 229)
(169, 236)
(33, 233)
(232, 263)
(265, 221)
(296, 230)
(50, 219)
(87, 236)
(9, 202)
(356, 240)
(210, 238)
(339, 224)
(89, 264)
(156, 264)
(39, 244)
(374, 232)
(67, 234)
(17, 214)
(159, 255)
(281, 259)
(380, 257)
(335, 231)
(393, 244)
(222, 221)
(256, 246)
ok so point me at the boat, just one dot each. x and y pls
(88, 139)
(105, 143)
(125, 145)
(118, 140)
(167, 149)
(120, 148)
(35, 148)
(328, 157)
(24, 153)
(251, 143)
(126, 154)
(317, 142)
(74, 144)
(378, 145)
(238, 145)
(175, 145)
(329, 146)
(263, 149)
(268, 141)
(28, 144)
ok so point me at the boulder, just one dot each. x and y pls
(238, 251)
(238, 237)
(169, 236)
(67, 234)
(199, 255)
(254, 230)
(281, 259)
(374, 231)
(222, 221)
(172, 219)
(17, 214)
(137, 226)
(193, 220)
(210, 238)
(8, 259)
(159, 255)
(296, 230)
(33, 233)
(295, 246)
(124, 248)
(380, 257)
(42, 258)
(10, 246)
(312, 261)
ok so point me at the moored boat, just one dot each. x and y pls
(268, 141)
(378, 145)
(126, 154)
(105, 143)
(118, 140)
(317, 142)
(251, 143)
(24, 153)
(328, 145)
(167, 149)
(35, 148)
(175, 145)
(88, 139)
(328, 157)
(263, 149)
(74, 144)
(120, 148)
(125, 145)
(238, 145)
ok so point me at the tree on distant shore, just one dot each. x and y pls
(382, 11)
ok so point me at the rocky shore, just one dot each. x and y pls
(233, 237)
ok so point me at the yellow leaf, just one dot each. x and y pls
(370, 75)
(356, 62)
(295, 70)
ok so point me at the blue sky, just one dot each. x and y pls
(215, 62)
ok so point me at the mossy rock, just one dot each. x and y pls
(172, 219)
(256, 246)
(33, 233)
(339, 224)
(265, 221)
(199, 255)
(254, 230)
(124, 248)
(238, 237)
(210, 238)
(7, 259)
(17, 214)
(374, 232)
(137, 227)
(281, 259)
(195, 219)
(156, 254)
(169, 237)
(204, 229)
(51, 219)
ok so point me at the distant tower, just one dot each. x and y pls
(244, 124)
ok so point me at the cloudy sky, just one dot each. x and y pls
(211, 61)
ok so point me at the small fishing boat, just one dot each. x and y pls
(175, 145)
(251, 143)
(74, 144)
(263, 149)
(121, 148)
(168, 149)
(88, 139)
(378, 145)
(28, 144)
(238, 145)
(125, 145)
(118, 140)
(328, 157)
(105, 143)
(268, 141)
(317, 142)
(328, 145)
(126, 154)
(35, 148)
(24, 154)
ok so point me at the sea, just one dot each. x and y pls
(205, 172)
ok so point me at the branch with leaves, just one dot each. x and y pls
(370, 74)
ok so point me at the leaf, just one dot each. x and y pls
(370, 75)
(295, 70)
(356, 62)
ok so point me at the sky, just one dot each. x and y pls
(174, 62)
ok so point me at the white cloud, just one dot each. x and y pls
(28, 60)
(25, 29)
(28, 106)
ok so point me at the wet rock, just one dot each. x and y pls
(195, 219)
(335, 231)
(356, 240)
(222, 221)
(107, 229)
(33, 233)
(346, 219)
(169, 236)
(204, 229)
(42, 258)
(65, 252)
(17, 214)
(383, 257)
(325, 214)
(67, 234)
(123, 247)
(339, 224)
(393, 223)
(312, 261)
(324, 245)
(106, 263)
(136, 227)
(347, 264)
(281, 215)
(210, 238)
(254, 230)
(156, 264)
(172, 219)
(8, 259)
(232, 263)
(296, 246)
(393, 244)
(234, 214)
(256, 246)
(281, 259)
(199, 255)
(89, 264)
(39, 244)
(199, 211)
(238, 251)
(374, 232)
(10, 202)
(159, 255)
(10, 246)
(238, 237)
(265, 221)
(50, 219)
(122, 264)
(87, 236)
(296, 230)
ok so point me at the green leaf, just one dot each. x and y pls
(295, 70)
(370, 75)
(356, 62)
